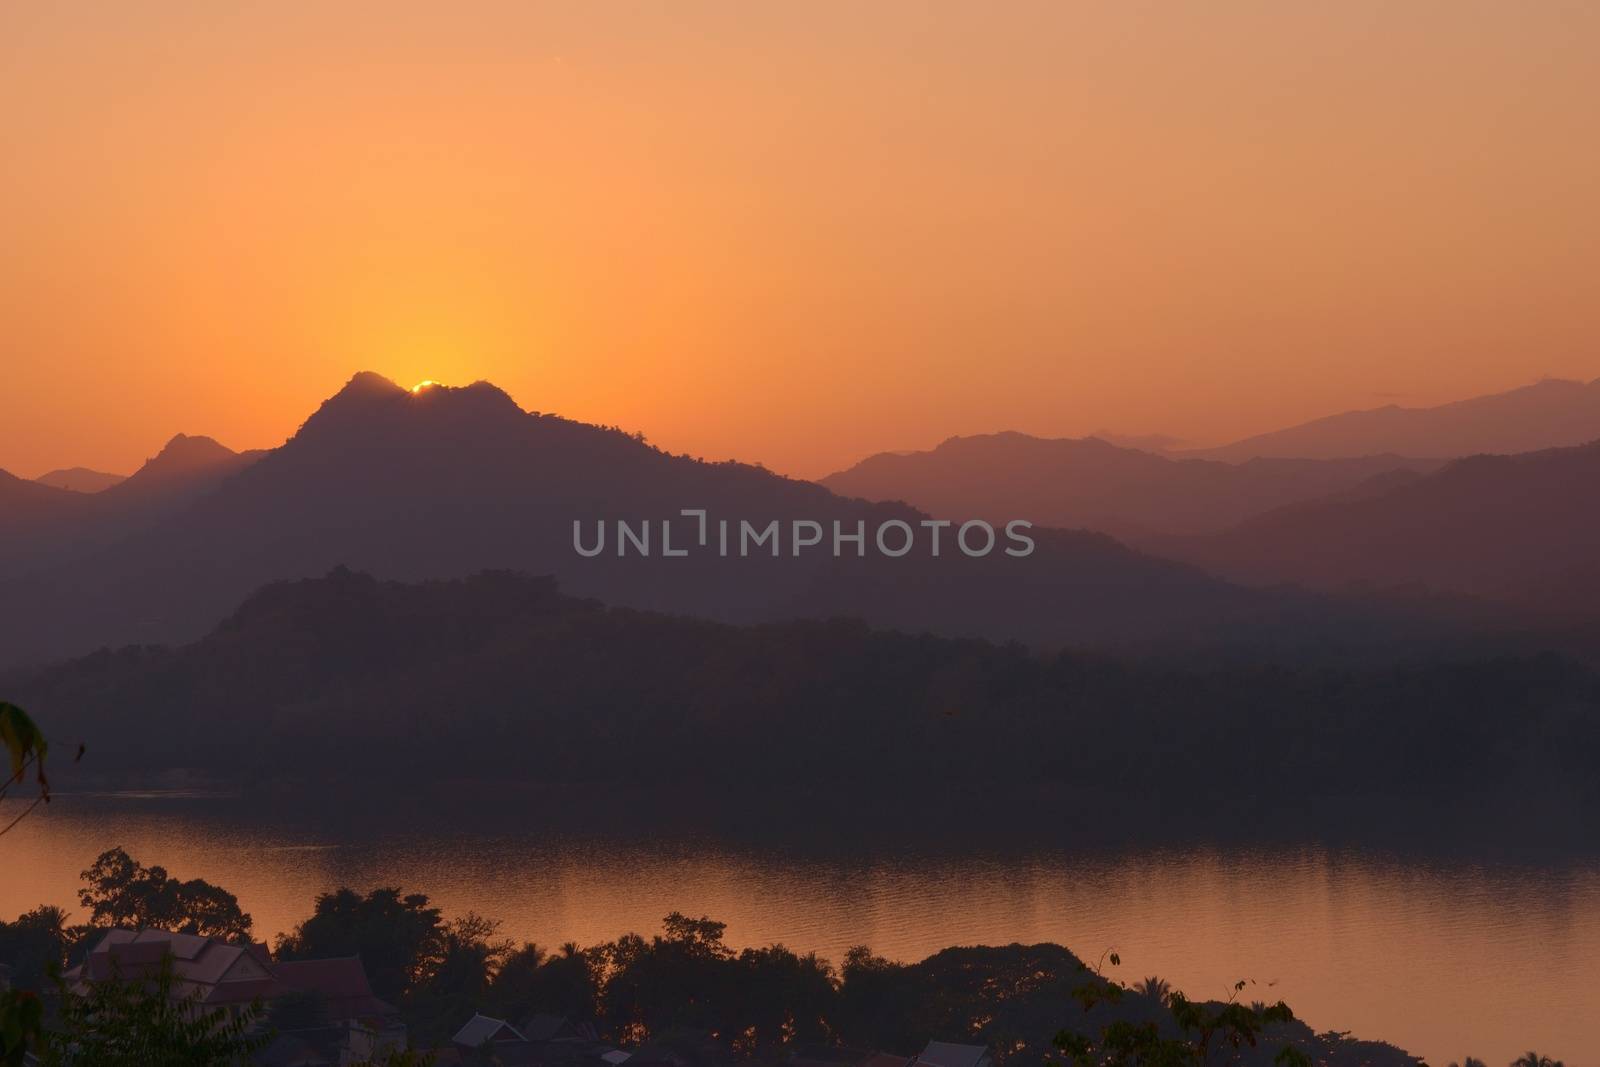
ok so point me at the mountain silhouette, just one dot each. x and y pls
(1091, 483)
(344, 675)
(1553, 413)
(1519, 529)
(31, 511)
(450, 481)
(1142, 442)
(186, 466)
(79, 479)
(43, 524)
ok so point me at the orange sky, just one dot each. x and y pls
(793, 235)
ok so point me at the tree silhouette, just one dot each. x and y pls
(1156, 988)
(121, 891)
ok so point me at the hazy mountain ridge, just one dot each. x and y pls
(186, 464)
(38, 529)
(30, 511)
(1552, 413)
(1521, 529)
(1091, 483)
(79, 479)
(447, 482)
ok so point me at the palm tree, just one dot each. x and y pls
(1533, 1059)
(1155, 987)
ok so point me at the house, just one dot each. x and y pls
(484, 1030)
(544, 1040)
(946, 1054)
(545, 1027)
(327, 1046)
(345, 1021)
(340, 982)
(213, 974)
(219, 973)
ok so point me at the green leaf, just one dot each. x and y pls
(23, 740)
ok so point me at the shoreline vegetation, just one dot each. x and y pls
(684, 988)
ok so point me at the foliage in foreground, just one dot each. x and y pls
(120, 1022)
(1200, 1029)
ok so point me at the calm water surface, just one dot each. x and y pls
(1443, 957)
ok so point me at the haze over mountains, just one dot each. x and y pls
(79, 479)
(1518, 529)
(1142, 489)
(448, 482)
(1549, 414)
(42, 523)
(1092, 484)
(1521, 529)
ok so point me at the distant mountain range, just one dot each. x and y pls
(1521, 529)
(44, 522)
(79, 479)
(1549, 414)
(1350, 514)
(446, 482)
(1089, 483)
(30, 511)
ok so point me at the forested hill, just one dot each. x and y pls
(502, 676)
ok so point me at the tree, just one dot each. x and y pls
(779, 997)
(1156, 988)
(122, 891)
(1533, 1059)
(532, 981)
(147, 1022)
(400, 938)
(470, 957)
(1201, 1028)
(21, 1025)
(641, 979)
(36, 942)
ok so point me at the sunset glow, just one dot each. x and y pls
(856, 521)
(905, 222)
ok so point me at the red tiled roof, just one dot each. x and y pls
(220, 973)
(242, 991)
(341, 981)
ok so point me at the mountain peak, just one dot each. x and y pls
(370, 401)
(480, 395)
(180, 461)
(190, 450)
(368, 383)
